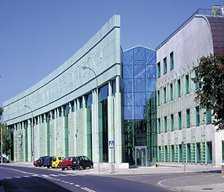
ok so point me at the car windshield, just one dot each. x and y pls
(65, 159)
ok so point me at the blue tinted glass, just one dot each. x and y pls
(139, 112)
(140, 99)
(128, 99)
(139, 71)
(139, 62)
(150, 58)
(139, 53)
(128, 57)
(151, 71)
(128, 71)
(150, 84)
(128, 85)
(89, 100)
(103, 93)
(140, 85)
(128, 112)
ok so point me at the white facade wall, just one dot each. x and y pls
(192, 41)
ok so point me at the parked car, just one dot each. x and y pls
(81, 162)
(48, 162)
(66, 163)
(40, 162)
(56, 160)
(4, 160)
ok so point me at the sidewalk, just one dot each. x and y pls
(212, 181)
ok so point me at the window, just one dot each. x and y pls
(158, 98)
(171, 122)
(158, 70)
(164, 66)
(179, 120)
(171, 61)
(158, 126)
(188, 118)
(187, 84)
(197, 116)
(171, 92)
(223, 151)
(164, 94)
(196, 82)
(209, 152)
(165, 124)
(208, 116)
(178, 88)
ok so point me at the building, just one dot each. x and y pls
(185, 132)
(118, 107)
(78, 108)
(139, 120)
(58, 115)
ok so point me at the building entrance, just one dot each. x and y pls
(141, 156)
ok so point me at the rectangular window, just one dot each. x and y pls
(158, 98)
(209, 152)
(165, 124)
(179, 120)
(164, 66)
(196, 82)
(164, 94)
(223, 151)
(171, 92)
(171, 61)
(171, 122)
(188, 118)
(188, 152)
(158, 126)
(187, 84)
(178, 88)
(197, 115)
(208, 116)
(158, 70)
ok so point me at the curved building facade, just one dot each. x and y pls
(60, 115)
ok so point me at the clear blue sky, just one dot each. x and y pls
(37, 36)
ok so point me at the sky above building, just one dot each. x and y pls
(37, 36)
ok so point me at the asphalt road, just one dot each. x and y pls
(25, 179)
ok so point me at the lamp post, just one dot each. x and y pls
(96, 119)
(32, 133)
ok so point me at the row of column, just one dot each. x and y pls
(50, 129)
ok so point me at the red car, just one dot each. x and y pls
(66, 163)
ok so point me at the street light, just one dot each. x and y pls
(32, 134)
(96, 119)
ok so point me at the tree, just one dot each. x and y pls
(5, 136)
(6, 139)
(210, 94)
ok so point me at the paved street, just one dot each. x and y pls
(163, 178)
(14, 178)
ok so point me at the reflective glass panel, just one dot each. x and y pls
(140, 85)
(128, 71)
(139, 71)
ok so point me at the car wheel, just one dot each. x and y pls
(63, 169)
(48, 167)
(73, 169)
(83, 167)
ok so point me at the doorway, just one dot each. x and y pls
(141, 156)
